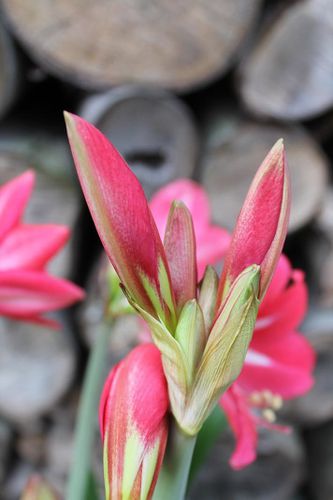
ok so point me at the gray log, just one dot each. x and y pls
(11, 74)
(99, 44)
(289, 72)
(317, 406)
(37, 367)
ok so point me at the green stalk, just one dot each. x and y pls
(86, 420)
(211, 430)
(172, 480)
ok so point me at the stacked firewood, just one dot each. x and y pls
(184, 89)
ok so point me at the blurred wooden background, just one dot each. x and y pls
(184, 89)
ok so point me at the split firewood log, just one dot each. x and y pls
(320, 252)
(234, 149)
(99, 44)
(288, 73)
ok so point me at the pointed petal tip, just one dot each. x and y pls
(277, 156)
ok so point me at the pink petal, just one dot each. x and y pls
(285, 313)
(31, 246)
(243, 425)
(282, 365)
(280, 279)
(211, 241)
(28, 293)
(14, 196)
(187, 191)
(262, 224)
(179, 244)
(212, 244)
(120, 211)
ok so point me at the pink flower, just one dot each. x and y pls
(211, 241)
(278, 365)
(203, 335)
(134, 424)
(27, 291)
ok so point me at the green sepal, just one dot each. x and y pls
(190, 334)
(225, 349)
(174, 359)
(207, 295)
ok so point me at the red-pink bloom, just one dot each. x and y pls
(202, 354)
(278, 365)
(211, 241)
(134, 424)
(27, 291)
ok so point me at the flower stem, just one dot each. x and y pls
(86, 420)
(172, 480)
(211, 430)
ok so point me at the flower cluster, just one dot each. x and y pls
(280, 361)
(201, 331)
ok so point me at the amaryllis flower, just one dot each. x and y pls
(278, 364)
(211, 241)
(134, 424)
(27, 291)
(203, 335)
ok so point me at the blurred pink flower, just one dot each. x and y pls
(27, 291)
(278, 365)
(211, 241)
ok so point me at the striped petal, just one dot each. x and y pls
(14, 196)
(25, 294)
(122, 217)
(262, 224)
(31, 246)
(179, 243)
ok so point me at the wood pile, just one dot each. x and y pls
(183, 89)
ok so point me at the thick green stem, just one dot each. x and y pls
(211, 430)
(86, 420)
(172, 480)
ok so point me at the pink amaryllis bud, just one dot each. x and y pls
(262, 224)
(123, 219)
(134, 424)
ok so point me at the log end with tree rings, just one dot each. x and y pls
(288, 74)
(99, 44)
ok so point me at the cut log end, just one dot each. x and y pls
(98, 44)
